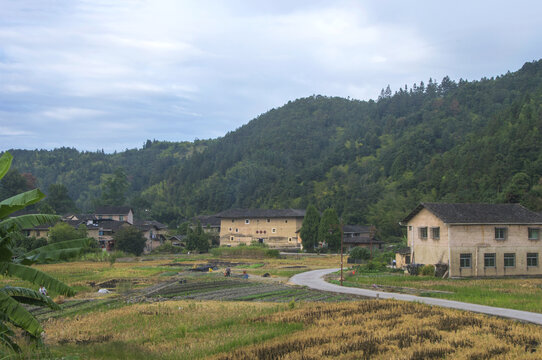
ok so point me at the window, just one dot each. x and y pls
(410, 228)
(289, 239)
(273, 230)
(230, 229)
(38, 233)
(231, 238)
(121, 218)
(236, 230)
(422, 232)
(532, 259)
(247, 221)
(534, 233)
(500, 233)
(490, 260)
(435, 233)
(100, 232)
(407, 259)
(232, 220)
(286, 221)
(509, 260)
(268, 220)
(465, 260)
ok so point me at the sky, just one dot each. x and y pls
(109, 75)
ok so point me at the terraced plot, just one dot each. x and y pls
(239, 290)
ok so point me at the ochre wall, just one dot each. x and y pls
(284, 236)
(427, 251)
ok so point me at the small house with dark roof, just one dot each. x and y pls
(476, 239)
(209, 223)
(278, 228)
(118, 213)
(360, 235)
(154, 231)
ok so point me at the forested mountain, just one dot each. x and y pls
(478, 141)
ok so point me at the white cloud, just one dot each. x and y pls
(71, 113)
(198, 69)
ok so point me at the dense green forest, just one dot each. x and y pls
(373, 161)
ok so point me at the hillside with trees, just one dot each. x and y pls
(372, 161)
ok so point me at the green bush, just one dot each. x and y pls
(168, 248)
(372, 266)
(272, 253)
(428, 270)
(360, 253)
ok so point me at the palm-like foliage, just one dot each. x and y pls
(11, 298)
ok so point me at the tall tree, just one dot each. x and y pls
(309, 228)
(13, 183)
(63, 232)
(130, 240)
(114, 187)
(59, 199)
(329, 230)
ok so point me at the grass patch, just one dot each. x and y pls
(172, 330)
(516, 293)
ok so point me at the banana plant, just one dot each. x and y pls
(12, 298)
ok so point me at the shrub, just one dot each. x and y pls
(428, 270)
(167, 247)
(130, 240)
(414, 269)
(272, 253)
(360, 253)
(373, 266)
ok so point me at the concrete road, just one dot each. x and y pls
(314, 279)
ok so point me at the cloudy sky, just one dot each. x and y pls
(110, 74)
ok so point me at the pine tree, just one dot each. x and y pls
(329, 230)
(309, 229)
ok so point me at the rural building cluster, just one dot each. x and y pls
(468, 240)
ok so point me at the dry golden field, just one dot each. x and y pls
(198, 329)
(386, 329)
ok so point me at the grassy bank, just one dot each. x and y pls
(519, 294)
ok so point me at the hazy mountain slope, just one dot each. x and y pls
(372, 161)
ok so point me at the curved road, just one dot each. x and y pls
(314, 279)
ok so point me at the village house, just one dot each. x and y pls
(154, 231)
(118, 213)
(360, 236)
(476, 239)
(275, 228)
(209, 223)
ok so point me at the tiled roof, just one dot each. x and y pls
(147, 224)
(362, 240)
(356, 229)
(207, 220)
(478, 213)
(261, 213)
(112, 210)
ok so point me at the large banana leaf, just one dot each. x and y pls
(68, 244)
(53, 252)
(5, 337)
(35, 277)
(19, 202)
(50, 256)
(5, 163)
(28, 221)
(29, 296)
(19, 316)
